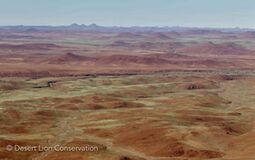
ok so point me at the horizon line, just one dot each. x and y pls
(122, 26)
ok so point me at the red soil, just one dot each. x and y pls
(216, 49)
(30, 46)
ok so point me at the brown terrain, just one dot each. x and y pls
(132, 95)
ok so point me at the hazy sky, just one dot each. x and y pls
(197, 13)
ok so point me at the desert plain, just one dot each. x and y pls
(134, 95)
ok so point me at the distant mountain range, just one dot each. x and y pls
(95, 27)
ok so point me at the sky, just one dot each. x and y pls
(188, 13)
